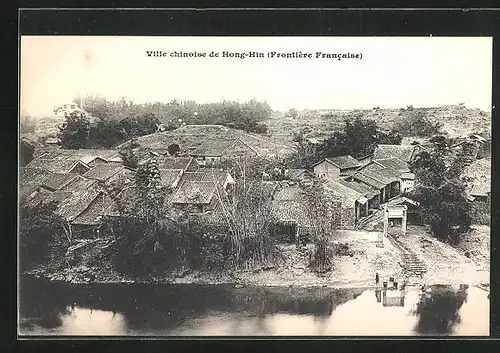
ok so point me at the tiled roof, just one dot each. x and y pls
(410, 176)
(481, 189)
(174, 162)
(207, 174)
(479, 170)
(78, 183)
(344, 162)
(369, 181)
(348, 194)
(403, 152)
(169, 176)
(92, 215)
(289, 193)
(124, 176)
(103, 172)
(295, 173)
(32, 175)
(214, 147)
(57, 181)
(194, 192)
(54, 165)
(394, 163)
(364, 189)
(49, 196)
(291, 211)
(75, 204)
(26, 189)
(84, 155)
(379, 174)
(70, 203)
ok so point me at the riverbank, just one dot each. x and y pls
(356, 268)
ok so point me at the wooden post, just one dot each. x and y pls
(386, 220)
(404, 220)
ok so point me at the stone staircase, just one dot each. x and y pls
(413, 267)
(369, 222)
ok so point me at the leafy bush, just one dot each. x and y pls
(441, 192)
(414, 122)
(40, 233)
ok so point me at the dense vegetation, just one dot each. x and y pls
(319, 213)
(358, 138)
(441, 191)
(153, 237)
(26, 152)
(40, 234)
(110, 123)
(416, 123)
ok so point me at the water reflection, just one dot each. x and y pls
(60, 309)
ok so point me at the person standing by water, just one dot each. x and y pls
(376, 278)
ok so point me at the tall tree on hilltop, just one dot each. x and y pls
(75, 132)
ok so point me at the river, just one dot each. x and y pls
(54, 309)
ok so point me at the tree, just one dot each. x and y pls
(144, 218)
(75, 132)
(106, 134)
(319, 212)
(389, 138)
(26, 152)
(129, 157)
(441, 192)
(305, 156)
(439, 310)
(173, 149)
(414, 122)
(40, 230)
(27, 124)
(140, 125)
(358, 139)
(293, 113)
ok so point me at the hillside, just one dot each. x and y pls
(190, 136)
(457, 120)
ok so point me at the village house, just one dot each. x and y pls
(480, 192)
(59, 165)
(384, 179)
(291, 212)
(301, 176)
(70, 204)
(57, 181)
(201, 192)
(406, 178)
(90, 157)
(353, 204)
(30, 181)
(365, 159)
(52, 141)
(478, 179)
(212, 152)
(336, 167)
(110, 173)
(482, 146)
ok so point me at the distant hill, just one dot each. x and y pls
(191, 136)
(457, 120)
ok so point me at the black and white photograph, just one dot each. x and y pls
(228, 186)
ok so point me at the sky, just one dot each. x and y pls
(393, 72)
